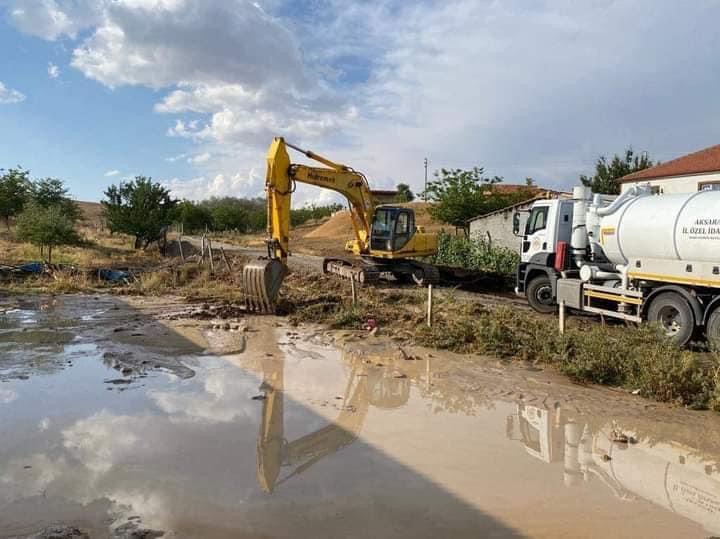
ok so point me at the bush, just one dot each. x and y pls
(140, 208)
(46, 227)
(475, 254)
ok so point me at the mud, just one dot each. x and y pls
(246, 427)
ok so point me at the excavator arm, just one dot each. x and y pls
(262, 279)
(395, 238)
(280, 184)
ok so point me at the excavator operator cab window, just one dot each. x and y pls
(392, 228)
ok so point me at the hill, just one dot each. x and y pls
(91, 213)
(339, 226)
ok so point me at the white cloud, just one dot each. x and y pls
(53, 71)
(199, 158)
(246, 183)
(163, 43)
(525, 89)
(51, 19)
(111, 173)
(176, 158)
(7, 396)
(8, 96)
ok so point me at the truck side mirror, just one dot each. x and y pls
(516, 223)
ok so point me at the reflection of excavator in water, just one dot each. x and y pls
(386, 237)
(365, 387)
(666, 473)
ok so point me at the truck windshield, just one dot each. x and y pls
(537, 220)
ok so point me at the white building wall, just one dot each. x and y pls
(678, 184)
(498, 227)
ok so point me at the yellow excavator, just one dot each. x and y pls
(366, 386)
(386, 237)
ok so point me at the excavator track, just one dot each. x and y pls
(365, 274)
(425, 274)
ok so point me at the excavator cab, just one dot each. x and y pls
(392, 228)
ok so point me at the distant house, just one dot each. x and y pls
(688, 174)
(383, 196)
(497, 226)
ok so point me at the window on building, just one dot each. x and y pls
(709, 186)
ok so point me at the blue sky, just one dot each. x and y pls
(191, 92)
(74, 128)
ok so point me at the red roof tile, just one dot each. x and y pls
(707, 160)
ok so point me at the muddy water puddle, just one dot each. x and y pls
(121, 426)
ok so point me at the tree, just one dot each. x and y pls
(298, 216)
(140, 208)
(460, 195)
(14, 185)
(50, 192)
(47, 227)
(229, 215)
(607, 173)
(193, 217)
(404, 194)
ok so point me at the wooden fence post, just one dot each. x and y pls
(430, 306)
(210, 253)
(182, 255)
(353, 289)
(224, 257)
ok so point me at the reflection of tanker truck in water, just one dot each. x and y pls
(666, 473)
(637, 257)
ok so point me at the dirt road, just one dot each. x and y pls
(313, 263)
(224, 427)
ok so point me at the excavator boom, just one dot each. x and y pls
(397, 239)
(262, 278)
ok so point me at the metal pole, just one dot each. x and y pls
(425, 192)
(430, 305)
(562, 317)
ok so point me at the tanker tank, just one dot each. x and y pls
(683, 227)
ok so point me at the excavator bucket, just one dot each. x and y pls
(261, 283)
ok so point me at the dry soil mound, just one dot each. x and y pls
(340, 225)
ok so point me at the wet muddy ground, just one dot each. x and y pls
(147, 418)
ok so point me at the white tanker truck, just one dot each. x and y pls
(668, 473)
(637, 257)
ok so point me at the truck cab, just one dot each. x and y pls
(548, 222)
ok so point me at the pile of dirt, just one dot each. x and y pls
(91, 212)
(340, 225)
(173, 249)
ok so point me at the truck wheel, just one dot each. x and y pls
(540, 295)
(674, 316)
(713, 330)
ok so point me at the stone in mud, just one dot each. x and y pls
(58, 532)
(131, 530)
